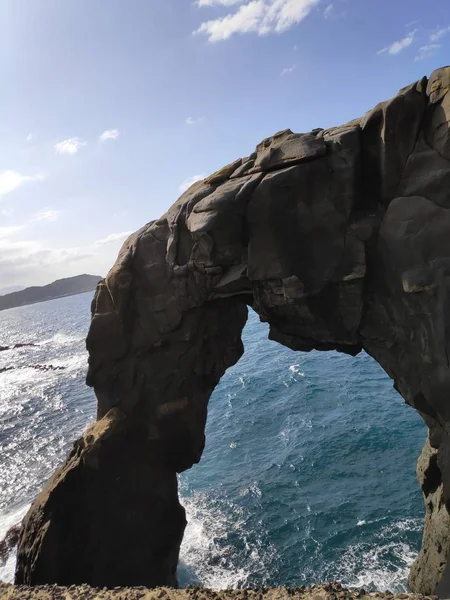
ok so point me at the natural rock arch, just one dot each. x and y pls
(340, 239)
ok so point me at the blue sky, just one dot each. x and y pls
(109, 106)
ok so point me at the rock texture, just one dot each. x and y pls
(429, 568)
(339, 239)
(330, 591)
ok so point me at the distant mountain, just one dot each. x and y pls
(9, 289)
(57, 289)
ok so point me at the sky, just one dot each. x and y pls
(109, 109)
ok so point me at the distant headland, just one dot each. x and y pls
(59, 288)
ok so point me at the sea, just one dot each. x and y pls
(308, 474)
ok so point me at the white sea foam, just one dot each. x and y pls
(382, 567)
(22, 383)
(77, 362)
(208, 553)
(296, 370)
(7, 521)
(375, 575)
(63, 339)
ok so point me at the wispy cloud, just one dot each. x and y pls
(257, 16)
(113, 237)
(47, 214)
(109, 134)
(288, 70)
(399, 45)
(12, 180)
(189, 181)
(69, 146)
(439, 34)
(194, 120)
(427, 51)
(29, 137)
(334, 12)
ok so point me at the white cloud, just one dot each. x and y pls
(427, 51)
(440, 33)
(188, 182)
(327, 12)
(7, 232)
(47, 215)
(258, 16)
(194, 120)
(12, 180)
(69, 146)
(109, 134)
(20, 260)
(113, 237)
(29, 137)
(288, 70)
(400, 45)
(25, 261)
(247, 19)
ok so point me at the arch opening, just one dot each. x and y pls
(299, 481)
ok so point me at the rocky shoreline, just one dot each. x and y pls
(329, 591)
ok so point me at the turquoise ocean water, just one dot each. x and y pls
(309, 468)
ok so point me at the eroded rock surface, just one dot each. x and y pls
(429, 568)
(339, 239)
(329, 591)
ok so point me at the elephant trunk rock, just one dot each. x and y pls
(340, 240)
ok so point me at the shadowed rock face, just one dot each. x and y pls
(339, 239)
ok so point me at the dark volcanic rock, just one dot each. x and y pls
(14, 346)
(37, 367)
(429, 567)
(339, 239)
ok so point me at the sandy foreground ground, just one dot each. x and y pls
(331, 591)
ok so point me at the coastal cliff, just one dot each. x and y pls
(340, 240)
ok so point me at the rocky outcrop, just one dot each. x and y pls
(37, 367)
(330, 591)
(339, 239)
(427, 572)
(15, 346)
